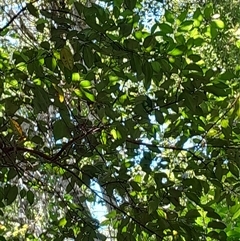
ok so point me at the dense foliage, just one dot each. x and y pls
(131, 104)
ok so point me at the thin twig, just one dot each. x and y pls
(164, 147)
(14, 17)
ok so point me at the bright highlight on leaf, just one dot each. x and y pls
(175, 52)
(85, 84)
(62, 222)
(131, 115)
(219, 23)
(224, 123)
(61, 97)
(89, 95)
(78, 92)
(114, 133)
(75, 76)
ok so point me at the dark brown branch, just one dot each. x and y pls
(109, 203)
(14, 17)
(49, 158)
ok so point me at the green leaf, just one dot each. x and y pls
(76, 76)
(88, 95)
(208, 11)
(130, 4)
(30, 197)
(156, 66)
(131, 44)
(227, 75)
(159, 116)
(219, 171)
(198, 41)
(88, 56)
(215, 90)
(62, 222)
(238, 43)
(85, 84)
(149, 41)
(136, 64)
(176, 52)
(194, 57)
(219, 23)
(50, 63)
(41, 101)
(11, 106)
(198, 17)
(213, 235)
(111, 214)
(165, 65)
(60, 130)
(165, 28)
(193, 213)
(11, 194)
(236, 214)
(125, 29)
(182, 16)
(190, 102)
(153, 206)
(186, 26)
(11, 174)
(67, 57)
(216, 225)
(169, 16)
(23, 193)
(192, 196)
(79, 7)
(32, 10)
(148, 72)
(135, 186)
(163, 223)
(193, 67)
(233, 169)
(45, 45)
(213, 214)
(213, 31)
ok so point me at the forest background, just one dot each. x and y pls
(128, 105)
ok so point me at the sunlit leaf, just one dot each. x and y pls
(175, 52)
(62, 222)
(219, 23)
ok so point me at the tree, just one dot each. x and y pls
(92, 96)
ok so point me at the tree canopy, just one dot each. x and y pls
(133, 105)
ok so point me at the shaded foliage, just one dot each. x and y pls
(98, 107)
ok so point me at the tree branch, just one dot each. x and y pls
(12, 19)
(164, 147)
(109, 203)
(49, 158)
